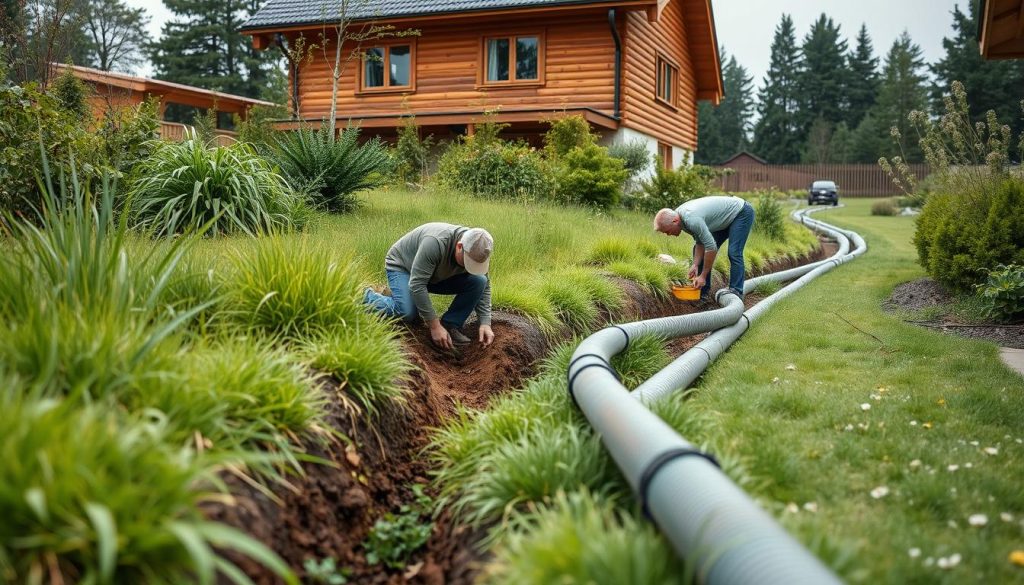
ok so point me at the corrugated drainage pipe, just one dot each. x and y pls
(709, 520)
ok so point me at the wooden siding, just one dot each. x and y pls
(578, 71)
(641, 110)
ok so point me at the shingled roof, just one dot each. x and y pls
(278, 13)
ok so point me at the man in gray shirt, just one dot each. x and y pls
(711, 221)
(445, 259)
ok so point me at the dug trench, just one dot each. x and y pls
(368, 466)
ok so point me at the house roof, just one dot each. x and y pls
(175, 92)
(1001, 29)
(741, 155)
(280, 13)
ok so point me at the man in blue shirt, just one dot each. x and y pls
(711, 221)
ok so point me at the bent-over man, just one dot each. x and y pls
(444, 259)
(711, 221)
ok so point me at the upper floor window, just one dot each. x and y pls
(512, 59)
(388, 67)
(667, 81)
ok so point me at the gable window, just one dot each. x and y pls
(513, 59)
(387, 68)
(667, 81)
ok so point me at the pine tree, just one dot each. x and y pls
(990, 85)
(823, 76)
(862, 83)
(724, 130)
(203, 47)
(776, 136)
(902, 91)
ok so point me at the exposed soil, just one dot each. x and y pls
(925, 293)
(329, 509)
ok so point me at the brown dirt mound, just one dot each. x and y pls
(925, 293)
(329, 509)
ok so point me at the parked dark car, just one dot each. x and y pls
(824, 192)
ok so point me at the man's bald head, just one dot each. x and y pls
(668, 221)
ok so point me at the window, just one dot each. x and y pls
(388, 68)
(665, 154)
(513, 59)
(667, 81)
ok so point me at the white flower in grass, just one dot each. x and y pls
(991, 451)
(915, 464)
(880, 492)
(913, 423)
(1006, 516)
(968, 465)
(975, 443)
(865, 406)
(914, 552)
(952, 468)
(949, 562)
(811, 507)
(848, 428)
(791, 367)
(977, 520)
(792, 508)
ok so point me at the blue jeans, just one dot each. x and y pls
(737, 234)
(467, 288)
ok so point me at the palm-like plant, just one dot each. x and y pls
(185, 185)
(331, 170)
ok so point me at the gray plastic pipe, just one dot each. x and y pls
(709, 520)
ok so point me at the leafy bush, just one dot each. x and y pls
(588, 175)
(884, 207)
(634, 156)
(331, 170)
(184, 185)
(396, 536)
(72, 95)
(671, 188)
(960, 235)
(769, 218)
(490, 167)
(566, 134)
(1002, 293)
(129, 135)
(257, 129)
(411, 153)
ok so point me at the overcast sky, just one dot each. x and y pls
(745, 27)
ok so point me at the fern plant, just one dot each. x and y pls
(331, 170)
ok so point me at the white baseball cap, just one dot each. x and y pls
(477, 245)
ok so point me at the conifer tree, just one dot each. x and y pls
(823, 76)
(724, 130)
(776, 136)
(902, 91)
(862, 82)
(990, 85)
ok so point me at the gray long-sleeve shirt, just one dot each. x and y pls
(704, 215)
(427, 254)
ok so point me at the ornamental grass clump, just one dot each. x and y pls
(330, 170)
(185, 185)
(282, 288)
(580, 537)
(89, 496)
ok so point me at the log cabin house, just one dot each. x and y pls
(1001, 29)
(635, 69)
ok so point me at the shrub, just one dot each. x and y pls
(331, 170)
(411, 153)
(129, 135)
(486, 166)
(257, 129)
(185, 185)
(884, 207)
(566, 134)
(634, 156)
(960, 235)
(72, 95)
(770, 219)
(671, 188)
(1002, 293)
(587, 175)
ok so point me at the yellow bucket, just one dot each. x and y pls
(685, 293)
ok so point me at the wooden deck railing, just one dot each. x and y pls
(176, 132)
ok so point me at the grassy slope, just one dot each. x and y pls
(809, 438)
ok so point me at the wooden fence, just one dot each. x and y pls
(853, 180)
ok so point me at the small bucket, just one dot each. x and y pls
(685, 293)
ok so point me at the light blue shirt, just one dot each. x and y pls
(704, 215)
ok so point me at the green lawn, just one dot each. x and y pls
(890, 448)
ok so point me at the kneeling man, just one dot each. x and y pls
(444, 259)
